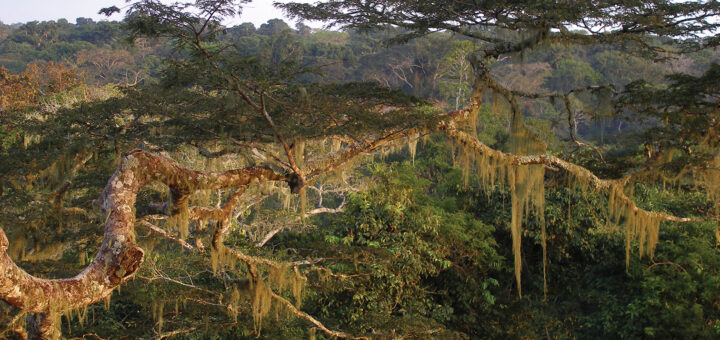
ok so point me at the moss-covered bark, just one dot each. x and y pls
(118, 258)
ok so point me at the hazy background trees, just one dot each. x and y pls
(416, 251)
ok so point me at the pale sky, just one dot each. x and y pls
(14, 11)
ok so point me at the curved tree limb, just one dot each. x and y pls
(118, 258)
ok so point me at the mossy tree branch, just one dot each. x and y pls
(583, 174)
(118, 258)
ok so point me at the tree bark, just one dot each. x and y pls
(118, 258)
(40, 326)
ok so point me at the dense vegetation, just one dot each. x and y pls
(384, 228)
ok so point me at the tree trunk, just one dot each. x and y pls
(41, 326)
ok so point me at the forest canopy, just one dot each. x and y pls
(418, 169)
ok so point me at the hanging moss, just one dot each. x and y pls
(335, 145)
(492, 168)
(202, 198)
(278, 278)
(51, 251)
(233, 308)
(298, 287)
(299, 149)
(527, 190)
(158, 310)
(286, 197)
(179, 215)
(639, 225)
(710, 179)
(465, 163)
(16, 249)
(56, 321)
(412, 146)
(261, 304)
(281, 279)
(29, 139)
(221, 259)
(303, 201)
(526, 183)
(82, 315)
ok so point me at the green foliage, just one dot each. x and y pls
(456, 73)
(411, 257)
(419, 252)
(572, 74)
(528, 23)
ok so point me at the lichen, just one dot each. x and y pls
(412, 146)
(527, 190)
(261, 304)
(525, 182)
(158, 311)
(639, 224)
(130, 162)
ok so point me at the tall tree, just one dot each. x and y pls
(508, 29)
(214, 100)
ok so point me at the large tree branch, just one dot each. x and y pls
(317, 167)
(581, 173)
(118, 258)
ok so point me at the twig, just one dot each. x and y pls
(163, 233)
(666, 263)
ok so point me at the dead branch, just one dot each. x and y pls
(320, 210)
(291, 307)
(166, 235)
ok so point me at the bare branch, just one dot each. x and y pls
(572, 126)
(165, 234)
(291, 307)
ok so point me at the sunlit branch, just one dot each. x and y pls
(450, 129)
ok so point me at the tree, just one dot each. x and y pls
(4, 31)
(239, 108)
(37, 33)
(84, 21)
(213, 101)
(273, 26)
(628, 25)
(244, 29)
(456, 72)
(571, 74)
(25, 90)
